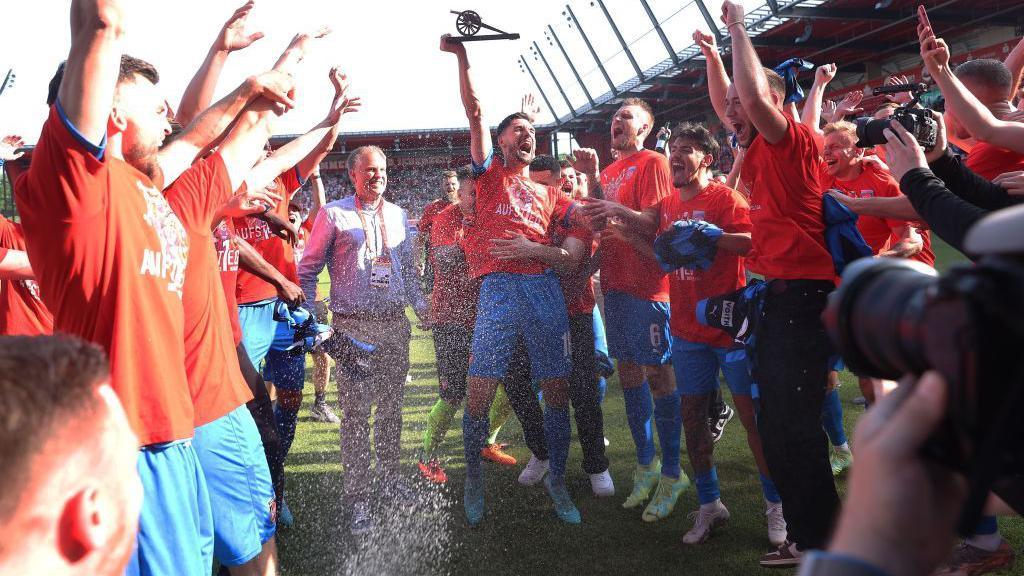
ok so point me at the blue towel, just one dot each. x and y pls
(690, 244)
(789, 71)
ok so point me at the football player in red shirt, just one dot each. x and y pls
(636, 305)
(793, 353)
(22, 312)
(699, 353)
(518, 298)
(449, 197)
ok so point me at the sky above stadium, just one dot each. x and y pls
(389, 49)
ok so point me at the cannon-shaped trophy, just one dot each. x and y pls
(468, 23)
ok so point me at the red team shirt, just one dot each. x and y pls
(637, 182)
(430, 212)
(211, 360)
(22, 312)
(785, 207)
(110, 258)
(989, 161)
(455, 294)
(227, 262)
(277, 252)
(507, 203)
(727, 209)
(873, 182)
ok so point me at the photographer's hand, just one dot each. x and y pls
(902, 151)
(901, 509)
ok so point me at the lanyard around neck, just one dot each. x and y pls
(366, 229)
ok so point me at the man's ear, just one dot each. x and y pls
(707, 161)
(118, 121)
(84, 526)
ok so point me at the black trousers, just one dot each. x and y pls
(263, 413)
(792, 355)
(583, 395)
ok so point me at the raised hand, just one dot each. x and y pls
(232, 35)
(828, 110)
(250, 202)
(934, 51)
(902, 97)
(9, 147)
(825, 73)
(706, 43)
(849, 105)
(584, 160)
(530, 107)
(275, 86)
(343, 103)
(732, 12)
(453, 47)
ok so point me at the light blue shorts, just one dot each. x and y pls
(241, 492)
(287, 371)
(175, 524)
(696, 366)
(258, 328)
(527, 306)
(637, 329)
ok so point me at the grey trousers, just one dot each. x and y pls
(385, 389)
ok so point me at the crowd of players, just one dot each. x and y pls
(179, 254)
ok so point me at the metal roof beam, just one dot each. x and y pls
(829, 13)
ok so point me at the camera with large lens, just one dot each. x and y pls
(894, 317)
(917, 121)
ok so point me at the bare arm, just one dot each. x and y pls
(737, 242)
(318, 194)
(518, 247)
(643, 224)
(733, 179)
(751, 83)
(251, 261)
(231, 37)
(718, 79)
(15, 266)
(479, 136)
(811, 115)
(894, 208)
(973, 115)
(90, 76)
(1015, 62)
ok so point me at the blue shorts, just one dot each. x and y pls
(241, 493)
(527, 306)
(285, 370)
(258, 328)
(637, 329)
(696, 366)
(175, 525)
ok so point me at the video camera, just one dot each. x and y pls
(893, 317)
(917, 121)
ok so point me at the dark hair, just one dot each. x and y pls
(642, 104)
(775, 82)
(545, 163)
(130, 66)
(465, 173)
(449, 174)
(700, 137)
(47, 383)
(563, 164)
(989, 71)
(509, 119)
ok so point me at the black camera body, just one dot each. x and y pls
(893, 317)
(917, 121)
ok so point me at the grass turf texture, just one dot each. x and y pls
(520, 533)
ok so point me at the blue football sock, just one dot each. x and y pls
(474, 434)
(707, 486)
(557, 432)
(602, 389)
(286, 421)
(832, 418)
(670, 427)
(771, 494)
(638, 413)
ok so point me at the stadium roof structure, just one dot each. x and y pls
(856, 34)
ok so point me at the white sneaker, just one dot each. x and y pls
(704, 521)
(606, 442)
(602, 485)
(534, 471)
(362, 521)
(776, 524)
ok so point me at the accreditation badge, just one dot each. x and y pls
(380, 272)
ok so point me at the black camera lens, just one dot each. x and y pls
(869, 132)
(875, 316)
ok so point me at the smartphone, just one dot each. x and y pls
(922, 17)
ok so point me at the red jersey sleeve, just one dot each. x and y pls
(654, 182)
(734, 213)
(292, 183)
(199, 192)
